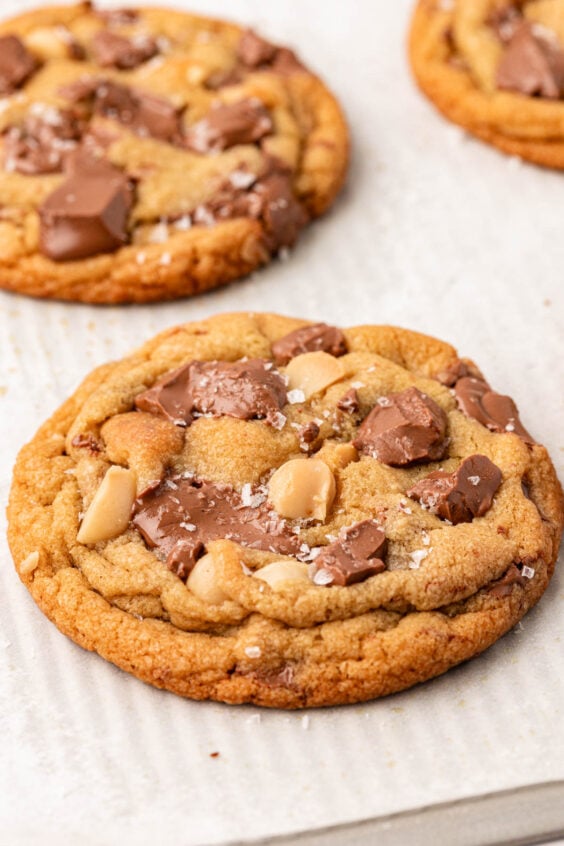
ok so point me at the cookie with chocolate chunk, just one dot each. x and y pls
(253, 508)
(496, 67)
(215, 148)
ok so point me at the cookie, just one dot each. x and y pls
(254, 508)
(148, 154)
(496, 68)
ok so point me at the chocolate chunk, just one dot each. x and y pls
(282, 214)
(243, 122)
(462, 495)
(532, 64)
(255, 51)
(182, 515)
(244, 389)
(143, 113)
(16, 64)
(320, 336)
(86, 441)
(499, 413)
(268, 198)
(139, 111)
(43, 142)
(356, 555)
(307, 435)
(349, 402)
(87, 214)
(504, 21)
(112, 50)
(450, 375)
(404, 428)
(504, 586)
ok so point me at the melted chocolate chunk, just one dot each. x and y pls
(499, 413)
(356, 555)
(16, 64)
(247, 390)
(320, 336)
(87, 214)
(532, 64)
(182, 515)
(404, 428)
(139, 111)
(244, 122)
(112, 50)
(462, 495)
(42, 143)
(504, 586)
(349, 402)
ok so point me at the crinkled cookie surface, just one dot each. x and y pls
(257, 509)
(496, 67)
(148, 154)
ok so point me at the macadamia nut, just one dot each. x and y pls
(313, 372)
(109, 512)
(303, 488)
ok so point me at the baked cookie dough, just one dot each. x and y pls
(258, 509)
(147, 154)
(496, 68)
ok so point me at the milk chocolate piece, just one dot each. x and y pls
(243, 122)
(450, 375)
(356, 555)
(349, 402)
(43, 142)
(532, 64)
(504, 21)
(183, 514)
(307, 435)
(143, 113)
(258, 54)
(499, 413)
(16, 64)
(282, 214)
(87, 214)
(320, 336)
(139, 111)
(404, 428)
(112, 50)
(504, 586)
(244, 389)
(268, 197)
(460, 496)
(255, 51)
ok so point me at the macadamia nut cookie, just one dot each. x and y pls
(147, 154)
(496, 67)
(254, 508)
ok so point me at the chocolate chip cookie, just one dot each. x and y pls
(258, 509)
(496, 67)
(147, 154)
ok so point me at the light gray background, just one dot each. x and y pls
(435, 232)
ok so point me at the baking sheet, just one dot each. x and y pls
(435, 232)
